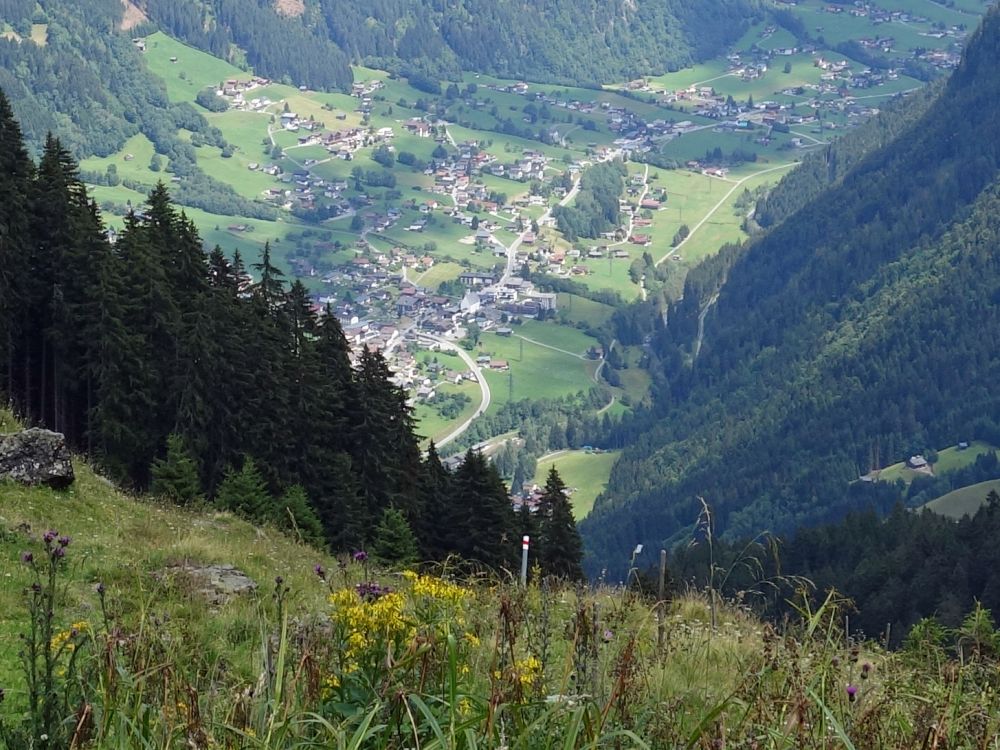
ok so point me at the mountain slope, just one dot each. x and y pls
(553, 40)
(855, 333)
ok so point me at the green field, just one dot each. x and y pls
(584, 472)
(541, 373)
(431, 425)
(949, 459)
(965, 501)
(192, 71)
(576, 309)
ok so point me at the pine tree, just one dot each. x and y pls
(394, 543)
(175, 477)
(16, 172)
(438, 536)
(482, 514)
(384, 450)
(295, 515)
(561, 550)
(243, 492)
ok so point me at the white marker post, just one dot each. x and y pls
(525, 541)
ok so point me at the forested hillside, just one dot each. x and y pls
(579, 41)
(854, 334)
(897, 570)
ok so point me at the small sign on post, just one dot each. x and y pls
(525, 541)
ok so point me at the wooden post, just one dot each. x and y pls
(661, 603)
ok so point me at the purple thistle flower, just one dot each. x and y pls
(27, 558)
(64, 541)
(608, 635)
(865, 669)
(319, 571)
(59, 552)
(49, 536)
(100, 589)
(852, 692)
(360, 556)
(371, 591)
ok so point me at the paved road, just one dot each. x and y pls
(484, 387)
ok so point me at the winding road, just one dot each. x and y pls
(484, 387)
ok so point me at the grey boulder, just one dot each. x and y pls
(36, 457)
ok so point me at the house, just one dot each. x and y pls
(477, 278)
(500, 365)
(916, 462)
(640, 239)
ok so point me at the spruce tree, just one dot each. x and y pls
(16, 171)
(561, 550)
(439, 536)
(394, 543)
(175, 477)
(244, 493)
(482, 514)
(295, 515)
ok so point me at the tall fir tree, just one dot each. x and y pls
(483, 511)
(16, 174)
(561, 550)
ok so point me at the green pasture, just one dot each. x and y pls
(585, 473)
(964, 501)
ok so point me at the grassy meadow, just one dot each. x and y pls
(341, 653)
(585, 473)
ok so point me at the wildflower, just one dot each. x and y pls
(852, 692)
(608, 635)
(865, 669)
(49, 536)
(64, 541)
(319, 571)
(100, 589)
(59, 552)
(360, 556)
(472, 639)
(464, 706)
(27, 558)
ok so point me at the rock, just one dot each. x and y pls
(217, 583)
(36, 457)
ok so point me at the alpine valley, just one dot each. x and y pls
(461, 374)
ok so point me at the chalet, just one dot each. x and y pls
(640, 239)
(916, 462)
(649, 203)
(418, 127)
(500, 365)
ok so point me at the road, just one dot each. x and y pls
(512, 248)
(484, 387)
(719, 205)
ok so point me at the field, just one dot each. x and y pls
(431, 425)
(584, 472)
(539, 373)
(949, 459)
(965, 501)
(189, 71)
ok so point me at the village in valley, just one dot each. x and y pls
(425, 215)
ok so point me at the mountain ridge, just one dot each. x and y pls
(777, 416)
